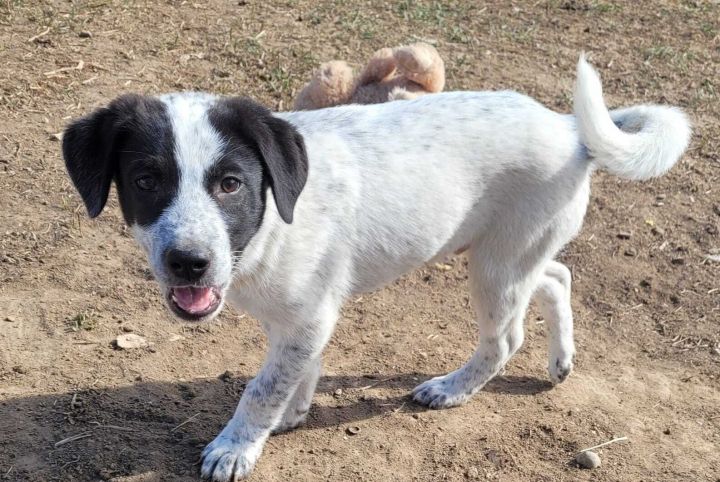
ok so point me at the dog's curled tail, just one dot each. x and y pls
(638, 142)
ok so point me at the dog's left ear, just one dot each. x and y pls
(279, 144)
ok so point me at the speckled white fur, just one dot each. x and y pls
(395, 185)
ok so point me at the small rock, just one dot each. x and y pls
(85, 34)
(10, 319)
(631, 252)
(713, 257)
(624, 235)
(666, 431)
(472, 473)
(716, 209)
(678, 261)
(338, 392)
(715, 350)
(227, 376)
(176, 337)
(658, 231)
(127, 329)
(130, 341)
(19, 369)
(588, 460)
(352, 430)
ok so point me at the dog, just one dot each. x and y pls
(286, 215)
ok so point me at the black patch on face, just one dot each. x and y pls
(242, 210)
(274, 142)
(130, 139)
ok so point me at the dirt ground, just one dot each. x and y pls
(647, 306)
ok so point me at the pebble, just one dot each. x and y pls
(658, 231)
(678, 261)
(85, 34)
(10, 319)
(353, 430)
(631, 252)
(130, 341)
(338, 392)
(588, 460)
(227, 376)
(624, 235)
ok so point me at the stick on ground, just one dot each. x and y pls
(185, 422)
(73, 438)
(619, 439)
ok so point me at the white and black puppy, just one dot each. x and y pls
(287, 215)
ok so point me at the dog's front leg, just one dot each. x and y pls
(294, 354)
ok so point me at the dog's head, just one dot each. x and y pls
(192, 172)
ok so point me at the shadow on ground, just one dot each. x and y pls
(109, 432)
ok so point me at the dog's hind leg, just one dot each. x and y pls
(553, 296)
(500, 294)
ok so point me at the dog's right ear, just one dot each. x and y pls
(89, 147)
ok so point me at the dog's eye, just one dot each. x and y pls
(146, 183)
(230, 184)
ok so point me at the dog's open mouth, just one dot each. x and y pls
(194, 302)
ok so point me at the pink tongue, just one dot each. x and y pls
(192, 299)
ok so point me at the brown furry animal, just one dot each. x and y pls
(398, 73)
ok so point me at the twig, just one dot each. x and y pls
(99, 67)
(399, 408)
(619, 439)
(41, 34)
(73, 438)
(77, 459)
(113, 427)
(378, 383)
(8, 472)
(79, 66)
(185, 422)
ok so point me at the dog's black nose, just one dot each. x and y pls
(186, 265)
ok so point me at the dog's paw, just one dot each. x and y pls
(292, 418)
(559, 368)
(226, 459)
(440, 392)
